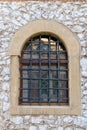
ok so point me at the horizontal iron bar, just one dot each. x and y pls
(43, 61)
(39, 98)
(43, 88)
(57, 79)
(33, 42)
(41, 69)
(29, 51)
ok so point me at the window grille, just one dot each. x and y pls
(44, 72)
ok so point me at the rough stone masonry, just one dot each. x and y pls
(14, 15)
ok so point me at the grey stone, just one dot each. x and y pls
(36, 119)
(83, 63)
(32, 128)
(82, 19)
(68, 128)
(6, 78)
(85, 113)
(14, 6)
(42, 127)
(84, 73)
(4, 96)
(81, 121)
(17, 120)
(60, 128)
(6, 106)
(79, 128)
(68, 119)
(78, 28)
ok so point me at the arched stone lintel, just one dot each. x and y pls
(61, 31)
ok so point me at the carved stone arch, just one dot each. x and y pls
(64, 33)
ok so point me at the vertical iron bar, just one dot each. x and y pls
(30, 86)
(39, 86)
(49, 70)
(58, 71)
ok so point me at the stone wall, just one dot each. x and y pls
(12, 17)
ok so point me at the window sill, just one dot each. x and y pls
(45, 110)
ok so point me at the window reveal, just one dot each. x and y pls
(44, 72)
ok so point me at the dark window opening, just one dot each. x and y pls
(44, 72)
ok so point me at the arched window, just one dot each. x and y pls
(44, 72)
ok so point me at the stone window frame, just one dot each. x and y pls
(73, 49)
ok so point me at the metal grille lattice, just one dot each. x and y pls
(44, 72)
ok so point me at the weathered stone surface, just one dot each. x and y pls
(85, 113)
(84, 106)
(78, 28)
(85, 85)
(32, 128)
(60, 128)
(17, 120)
(81, 121)
(84, 73)
(6, 78)
(68, 119)
(79, 129)
(5, 86)
(82, 19)
(5, 106)
(85, 92)
(4, 96)
(68, 128)
(42, 127)
(84, 64)
(36, 119)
